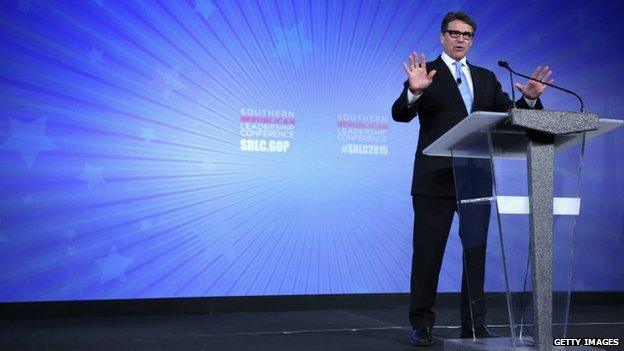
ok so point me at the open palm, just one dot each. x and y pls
(417, 76)
(532, 89)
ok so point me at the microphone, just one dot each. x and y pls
(505, 65)
(458, 80)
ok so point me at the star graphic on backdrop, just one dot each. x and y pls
(24, 6)
(204, 7)
(28, 139)
(113, 266)
(28, 200)
(146, 224)
(71, 250)
(95, 56)
(92, 176)
(148, 134)
(291, 44)
(70, 234)
(170, 78)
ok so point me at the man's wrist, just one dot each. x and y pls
(530, 98)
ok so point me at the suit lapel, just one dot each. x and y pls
(477, 87)
(448, 81)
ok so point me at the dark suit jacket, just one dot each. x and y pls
(439, 108)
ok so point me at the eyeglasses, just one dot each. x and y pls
(455, 34)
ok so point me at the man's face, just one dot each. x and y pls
(456, 48)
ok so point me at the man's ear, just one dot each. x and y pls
(441, 38)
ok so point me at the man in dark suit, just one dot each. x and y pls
(442, 93)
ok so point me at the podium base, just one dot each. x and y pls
(502, 344)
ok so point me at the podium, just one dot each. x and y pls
(517, 180)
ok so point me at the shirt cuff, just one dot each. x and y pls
(530, 102)
(411, 98)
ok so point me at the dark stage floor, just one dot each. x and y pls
(354, 329)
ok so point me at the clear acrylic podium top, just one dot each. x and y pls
(464, 138)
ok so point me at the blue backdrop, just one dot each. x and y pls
(226, 148)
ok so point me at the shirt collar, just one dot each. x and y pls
(450, 61)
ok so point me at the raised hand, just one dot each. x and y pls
(417, 75)
(532, 89)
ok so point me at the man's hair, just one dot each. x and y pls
(461, 16)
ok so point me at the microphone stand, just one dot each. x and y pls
(505, 65)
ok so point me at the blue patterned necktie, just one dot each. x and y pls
(464, 89)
